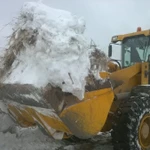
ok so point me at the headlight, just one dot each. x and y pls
(114, 38)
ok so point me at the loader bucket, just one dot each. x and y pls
(58, 112)
(88, 117)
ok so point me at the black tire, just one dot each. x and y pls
(128, 117)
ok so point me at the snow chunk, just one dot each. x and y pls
(35, 97)
(48, 46)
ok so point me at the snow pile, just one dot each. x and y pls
(48, 46)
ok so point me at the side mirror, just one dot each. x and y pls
(110, 51)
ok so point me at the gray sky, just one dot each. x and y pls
(104, 18)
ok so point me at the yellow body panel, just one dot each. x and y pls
(127, 78)
(122, 37)
(126, 73)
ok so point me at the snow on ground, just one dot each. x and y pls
(48, 46)
(13, 137)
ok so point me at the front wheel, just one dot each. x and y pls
(131, 129)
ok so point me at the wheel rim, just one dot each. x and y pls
(144, 132)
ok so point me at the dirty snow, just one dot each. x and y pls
(16, 138)
(13, 137)
(31, 96)
(54, 49)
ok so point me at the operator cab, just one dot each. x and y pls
(135, 47)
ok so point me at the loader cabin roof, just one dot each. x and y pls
(117, 38)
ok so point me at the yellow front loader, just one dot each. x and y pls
(121, 104)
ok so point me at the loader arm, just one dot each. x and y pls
(125, 79)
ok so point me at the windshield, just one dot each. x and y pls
(135, 49)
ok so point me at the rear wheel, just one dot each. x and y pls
(131, 128)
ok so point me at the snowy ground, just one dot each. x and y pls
(13, 137)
